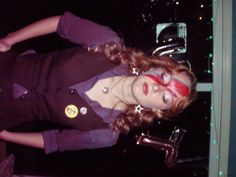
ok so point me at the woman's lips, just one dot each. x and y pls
(145, 88)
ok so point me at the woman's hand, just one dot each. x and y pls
(2, 134)
(4, 45)
(28, 139)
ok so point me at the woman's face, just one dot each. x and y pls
(158, 89)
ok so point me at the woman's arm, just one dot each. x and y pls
(68, 139)
(73, 139)
(28, 139)
(68, 26)
(39, 28)
(82, 31)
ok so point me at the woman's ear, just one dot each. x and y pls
(155, 110)
(158, 112)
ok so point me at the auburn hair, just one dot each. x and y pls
(135, 58)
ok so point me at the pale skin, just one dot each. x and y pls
(39, 28)
(122, 89)
(157, 97)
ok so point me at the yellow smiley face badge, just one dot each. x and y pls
(71, 111)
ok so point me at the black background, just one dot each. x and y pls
(126, 18)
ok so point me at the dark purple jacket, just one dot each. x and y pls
(45, 86)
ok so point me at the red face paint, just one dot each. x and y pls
(173, 85)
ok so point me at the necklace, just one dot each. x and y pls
(123, 91)
(106, 89)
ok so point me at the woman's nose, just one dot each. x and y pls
(155, 88)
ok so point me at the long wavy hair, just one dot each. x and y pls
(129, 119)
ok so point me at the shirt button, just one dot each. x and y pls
(32, 89)
(58, 90)
(72, 91)
(45, 91)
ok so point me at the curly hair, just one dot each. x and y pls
(135, 58)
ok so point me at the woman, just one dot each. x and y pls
(98, 91)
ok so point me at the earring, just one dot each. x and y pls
(138, 108)
(186, 63)
(135, 71)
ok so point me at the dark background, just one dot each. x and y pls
(135, 21)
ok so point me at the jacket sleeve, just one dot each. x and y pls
(73, 139)
(85, 32)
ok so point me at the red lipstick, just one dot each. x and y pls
(145, 88)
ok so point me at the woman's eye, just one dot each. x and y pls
(167, 97)
(166, 78)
